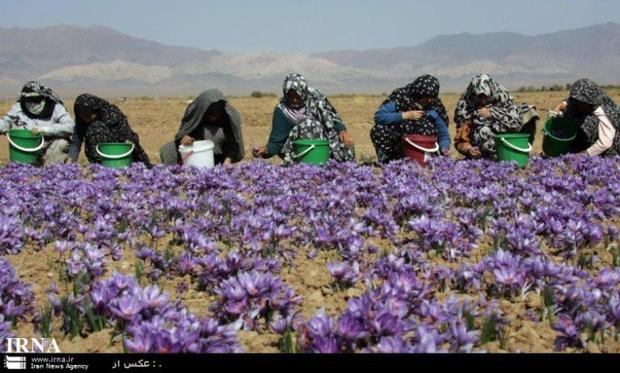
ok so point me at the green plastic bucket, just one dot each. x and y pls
(559, 134)
(513, 147)
(311, 151)
(115, 155)
(24, 147)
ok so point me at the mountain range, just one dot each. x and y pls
(101, 60)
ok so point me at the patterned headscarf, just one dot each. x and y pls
(110, 114)
(585, 90)
(111, 125)
(319, 120)
(298, 84)
(33, 88)
(406, 98)
(482, 84)
(316, 105)
(506, 117)
(36, 89)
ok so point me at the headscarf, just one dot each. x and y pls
(111, 125)
(506, 117)
(110, 114)
(36, 89)
(587, 91)
(315, 105)
(195, 112)
(319, 122)
(406, 97)
(483, 85)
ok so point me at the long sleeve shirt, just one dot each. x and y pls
(443, 135)
(389, 115)
(76, 142)
(606, 134)
(281, 127)
(60, 124)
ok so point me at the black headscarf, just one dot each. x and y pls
(196, 111)
(110, 114)
(110, 125)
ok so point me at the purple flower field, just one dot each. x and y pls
(465, 256)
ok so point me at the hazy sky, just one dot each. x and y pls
(308, 25)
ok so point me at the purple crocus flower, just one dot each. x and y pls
(614, 309)
(427, 341)
(344, 273)
(152, 297)
(392, 345)
(322, 324)
(101, 295)
(127, 307)
(350, 329)
(462, 339)
(326, 345)
(569, 335)
(5, 332)
(140, 342)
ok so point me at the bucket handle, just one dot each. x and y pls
(187, 156)
(311, 148)
(8, 136)
(114, 156)
(516, 148)
(434, 150)
(546, 133)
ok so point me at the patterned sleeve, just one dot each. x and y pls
(139, 155)
(461, 114)
(96, 134)
(505, 118)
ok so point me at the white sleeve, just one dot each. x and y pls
(606, 134)
(5, 122)
(61, 123)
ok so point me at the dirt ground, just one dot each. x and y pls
(157, 120)
(311, 280)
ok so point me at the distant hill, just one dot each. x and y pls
(99, 59)
(515, 59)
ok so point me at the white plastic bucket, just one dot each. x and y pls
(199, 154)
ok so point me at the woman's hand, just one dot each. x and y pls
(413, 115)
(561, 107)
(345, 137)
(474, 152)
(485, 112)
(187, 140)
(259, 151)
(35, 131)
(227, 160)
